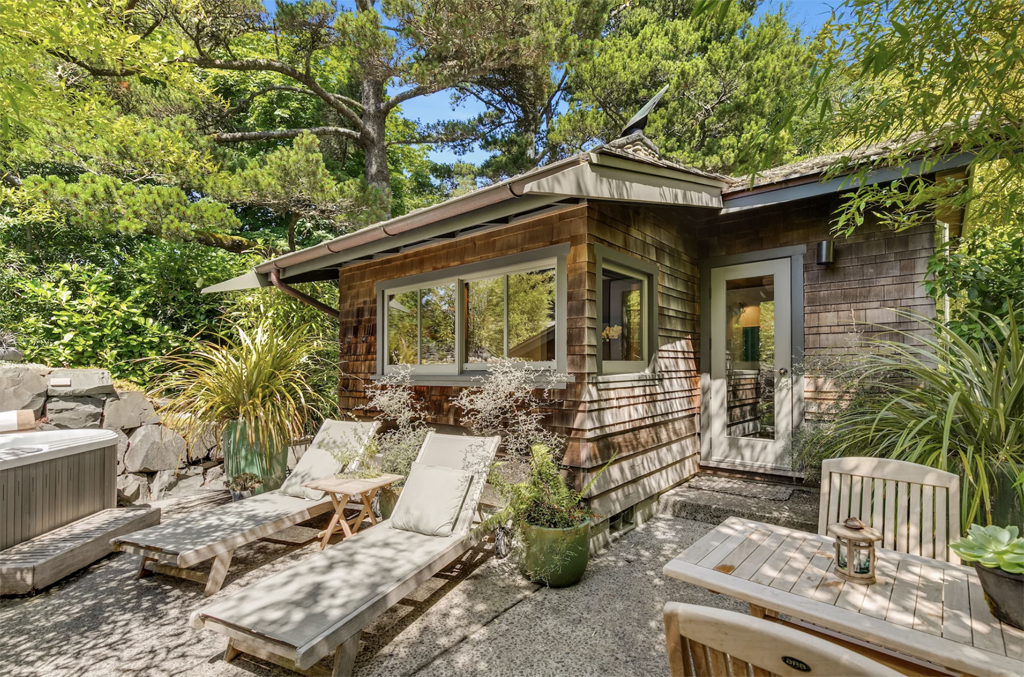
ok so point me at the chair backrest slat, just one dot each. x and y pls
(916, 508)
(706, 642)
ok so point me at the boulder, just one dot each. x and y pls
(214, 473)
(74, 412)
(122, 447)
(188, 485)
(153, 448)
(163, 482)
(132, 488)
(22, 388)
(128, 410)
(203, 443)
(79, 382)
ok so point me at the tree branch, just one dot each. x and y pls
(231, 243)
(269, 65)
(273, 135)
(402, 97)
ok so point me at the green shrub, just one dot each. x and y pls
(78, 321)
(940, 401)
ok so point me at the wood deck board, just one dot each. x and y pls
(44, 560)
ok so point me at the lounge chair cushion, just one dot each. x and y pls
(335, 440)
(431, 500)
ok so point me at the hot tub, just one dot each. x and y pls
(49, 479)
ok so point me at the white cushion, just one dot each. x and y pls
(431, 500)
(342, 437)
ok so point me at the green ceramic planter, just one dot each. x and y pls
(556, 557)
(387, 499)
(240, 456)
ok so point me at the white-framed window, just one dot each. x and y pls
(627, 312)
(462, 319)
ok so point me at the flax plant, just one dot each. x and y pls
(259, 380)
(945, 403)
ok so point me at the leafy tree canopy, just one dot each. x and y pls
(729, 79)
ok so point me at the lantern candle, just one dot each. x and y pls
(855, 550)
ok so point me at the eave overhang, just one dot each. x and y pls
(811, 185)
(561, 185)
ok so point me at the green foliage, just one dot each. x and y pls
(992, 546)
(729, 80)
(543, 499)
(294, 181)
(107, 205)
(80, 322)
(982, 274)
(258, 380)
(929, 79)
(939, 401)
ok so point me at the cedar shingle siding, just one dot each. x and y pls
(649, 423)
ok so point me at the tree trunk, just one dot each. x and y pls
(372, 139)
(293, 218)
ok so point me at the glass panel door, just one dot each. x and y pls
(751, 394)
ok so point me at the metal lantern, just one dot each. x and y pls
(855, 550)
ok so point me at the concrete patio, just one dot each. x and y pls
(477, 618)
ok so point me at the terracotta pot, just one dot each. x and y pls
(556, 557)
(1004, 593)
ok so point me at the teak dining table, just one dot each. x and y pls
(342, 490)
(923, 608)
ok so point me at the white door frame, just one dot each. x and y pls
(795, 255)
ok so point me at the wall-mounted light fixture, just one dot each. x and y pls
(826, 252)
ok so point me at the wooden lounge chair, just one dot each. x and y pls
(916, 508)
(705, 642)
(321, 605)
(174, 547)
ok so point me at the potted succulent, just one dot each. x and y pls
(254, 391)
(550, 525)
(998, 556)
(243, 484)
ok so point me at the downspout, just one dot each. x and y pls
(275, 279)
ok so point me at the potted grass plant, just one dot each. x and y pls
(252, 390)
(997, 554)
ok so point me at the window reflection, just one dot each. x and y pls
(531, 316)
(622, 329)
(750, 356)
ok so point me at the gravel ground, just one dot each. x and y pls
(477, 618)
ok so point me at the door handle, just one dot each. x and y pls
(783, 371)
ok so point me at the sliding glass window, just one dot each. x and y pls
(421, 327)
(504, 312)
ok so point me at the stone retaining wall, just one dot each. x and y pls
(152, 462)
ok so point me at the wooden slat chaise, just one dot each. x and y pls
(321, 605)
(704, 642)
(916, 508)
(173, 548)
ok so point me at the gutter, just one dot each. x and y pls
(275, 279)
